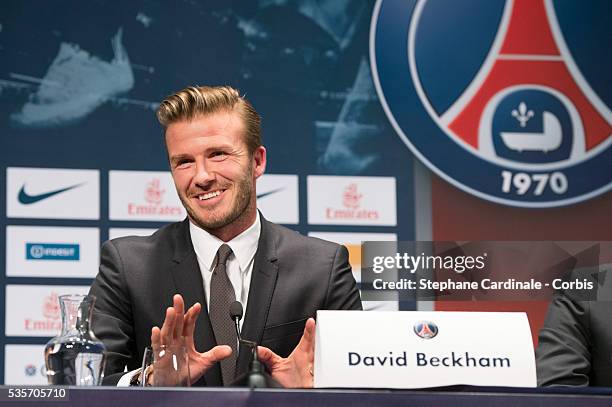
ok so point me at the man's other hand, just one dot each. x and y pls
(295, 370)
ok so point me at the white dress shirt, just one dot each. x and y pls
(239, 266)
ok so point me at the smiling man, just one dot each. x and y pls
(224, 251)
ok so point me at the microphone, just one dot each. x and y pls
(256, 377)
(236, 313)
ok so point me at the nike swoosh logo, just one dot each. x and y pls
(264, 194)
(28, 199)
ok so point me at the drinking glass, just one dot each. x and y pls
(169, 365)
(147, 364)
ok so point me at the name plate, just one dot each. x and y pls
(416, 349)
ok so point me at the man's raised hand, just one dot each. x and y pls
(178, 329)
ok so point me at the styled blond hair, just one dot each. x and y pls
(197, 101)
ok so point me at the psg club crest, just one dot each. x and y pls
(508, 100)
(425, 329)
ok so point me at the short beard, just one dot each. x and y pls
(243, 188)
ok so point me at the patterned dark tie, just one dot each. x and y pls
(221, 296)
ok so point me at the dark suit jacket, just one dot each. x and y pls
(293, 277)
(575, 344)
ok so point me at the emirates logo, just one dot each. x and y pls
(153, 206)
(351, 198)
(351, 209)
(154, 194)
(51, 307)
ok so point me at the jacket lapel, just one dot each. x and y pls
(263, 281)
(188, 279)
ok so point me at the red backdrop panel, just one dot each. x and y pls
(457, 215)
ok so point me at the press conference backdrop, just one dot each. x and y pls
(361, 129)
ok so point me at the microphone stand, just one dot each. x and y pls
(256, 377)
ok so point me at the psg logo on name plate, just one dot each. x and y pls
(508, 100)
(425, 329)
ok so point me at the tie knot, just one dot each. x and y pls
(223, 253)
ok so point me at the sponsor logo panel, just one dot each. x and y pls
(51, 193)
(24, 364)
(278, 198)
(368, 201)
(144, 196)
(52, 251)
(352, 241)
(33, 310)
(114, 233)
(41, 251)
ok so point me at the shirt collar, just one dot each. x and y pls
(244, 246)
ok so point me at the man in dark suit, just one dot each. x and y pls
(225, 251)
(575, 344)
